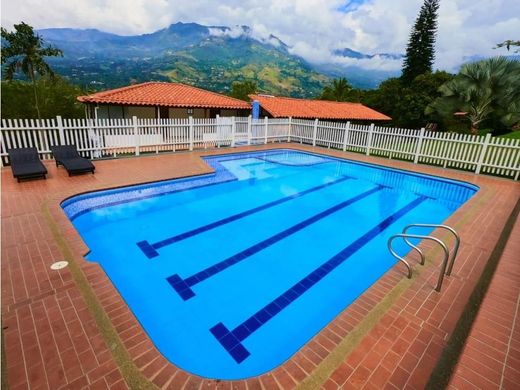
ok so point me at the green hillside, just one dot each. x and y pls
(204, 56)
(214, 64)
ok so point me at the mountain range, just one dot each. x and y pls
(210, 57)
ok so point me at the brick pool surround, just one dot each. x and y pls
(414, 325)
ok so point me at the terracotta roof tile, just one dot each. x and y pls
(165, 94)
(321, 109)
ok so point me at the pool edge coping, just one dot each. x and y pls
(334, 158)
(203, 155)
(408, 282)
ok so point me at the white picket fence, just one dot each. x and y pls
(110, 138)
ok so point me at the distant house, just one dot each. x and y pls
(162, 100)
(284, 107)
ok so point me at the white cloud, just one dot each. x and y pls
(232, 32)
(325, 56)
(258, 32)
(312, 28)
(377, 62)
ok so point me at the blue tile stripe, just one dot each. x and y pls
(231, 340)
(150, 250)
(183, 286)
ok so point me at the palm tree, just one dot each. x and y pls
(339, 90)
(480, 89)
(507, 44)
(25, 51)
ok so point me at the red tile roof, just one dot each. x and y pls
(165, 94)
(321, 109)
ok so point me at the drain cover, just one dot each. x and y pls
(59, 265)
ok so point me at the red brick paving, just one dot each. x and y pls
(52, 340)
(491, 355)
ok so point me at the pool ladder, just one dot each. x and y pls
(449, 258)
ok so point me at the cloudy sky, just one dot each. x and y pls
(313, 28)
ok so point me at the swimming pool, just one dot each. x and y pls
(231, 273)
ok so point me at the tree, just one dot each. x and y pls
(241, 89)
(406, 104)
(25, 51)
(56, 97)
(339, 90)
(420, 52)
(481, 90)
(507, 44)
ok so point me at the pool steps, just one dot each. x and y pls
(449, 256)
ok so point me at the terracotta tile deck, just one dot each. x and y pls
(491, 356)
(52, 340)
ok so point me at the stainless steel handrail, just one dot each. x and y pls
(435, 239)
(401, 259)
(448, 228)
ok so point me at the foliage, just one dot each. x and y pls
(513, 134)
(241, 89)
(56, 97)
(188, 55)
(338, 90)
(24, 50)
(507, 44)
(483, 90)
(406, 104)
(420, 51)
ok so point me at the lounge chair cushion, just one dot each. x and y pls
(26, 163)
(68, 156)
(29, 170)
(77, 164)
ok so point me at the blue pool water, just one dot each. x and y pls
(231, 273)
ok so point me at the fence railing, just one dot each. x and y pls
(110, 138)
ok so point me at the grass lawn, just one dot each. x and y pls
(513, 134)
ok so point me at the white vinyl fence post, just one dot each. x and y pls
(315, 132)
(218, 132)
(2, 143)
(483, 153)
(61, 132)
(136, 135)
(345, 136)
(266, 124)
(290, 129)
(419, 146)
(94, 139)
(233, 130)
(369, 138)
(191, 132)
(249, 130)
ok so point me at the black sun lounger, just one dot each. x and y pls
(68, 156)
(26, 164)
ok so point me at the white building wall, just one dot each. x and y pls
(117, 111)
